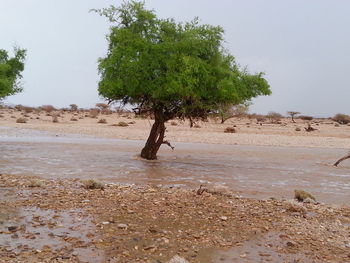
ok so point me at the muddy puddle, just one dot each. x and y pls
(60, 234)
(253, 171)
(263, 249)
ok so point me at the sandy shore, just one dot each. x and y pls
(248, 131)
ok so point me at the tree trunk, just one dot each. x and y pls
(155, 138)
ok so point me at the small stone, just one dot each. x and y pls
(223, 218)
(13, 228)
(105, 223)
(291, 244)
(177, 259)
(122, 226)
(243, 256)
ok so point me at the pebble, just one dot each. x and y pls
(177, 259)
(13, 228)
(223, 218)
(122, 226)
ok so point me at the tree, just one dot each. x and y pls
(73, 107)
(292, 114)
(229, 111)
(169, 69)
(10, 72)
(274, 117)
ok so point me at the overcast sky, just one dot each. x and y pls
(303, 46)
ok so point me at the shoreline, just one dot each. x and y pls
(328, 134)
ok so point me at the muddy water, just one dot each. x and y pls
(254, 171)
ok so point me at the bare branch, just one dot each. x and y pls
(342, 159)
(168, 143)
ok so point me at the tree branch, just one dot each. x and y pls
(168, 143)
(342, 159)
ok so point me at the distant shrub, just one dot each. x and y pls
(47, 108)
(92, 184)
(297, 129)
(73, 107)
(306, 118)
(28, 109)
(122, 124)
(131, 122)
(102, 121)
(196, 126)
(94, 113)
(35, 183)
(54, 118)
(21, 120)
(274, 117)
(73, 119)
(173, 123)
(1, 116)
(230, 130)
(341, 118)
(19, 107)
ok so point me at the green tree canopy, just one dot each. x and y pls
(10, 72)
(170, 69)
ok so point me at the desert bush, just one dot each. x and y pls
(73, 107)
(274, 117)
(306, 118)
(230, 130)
(48, 108)
(19, 107)
(92, 184)
(28, 109)
(341, 118)
(73, 119)
(173, 123)
(297, 129)
(21, 120)
(196, 126)
(122, 124)
(55, 118)
(35, 183)
(93, 113)
(1, 116)
(102, 121)
(131, 122)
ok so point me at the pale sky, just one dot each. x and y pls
(303, 46)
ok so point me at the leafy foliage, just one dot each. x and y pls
(175, 69)
(10, 72)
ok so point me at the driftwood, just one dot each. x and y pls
(342, 159)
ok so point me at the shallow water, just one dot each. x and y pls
(254, 171)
